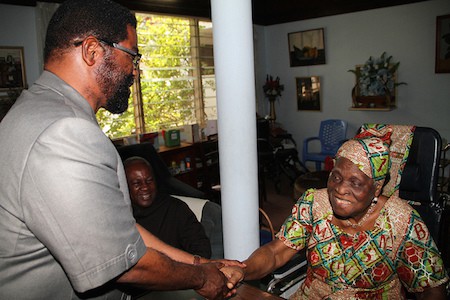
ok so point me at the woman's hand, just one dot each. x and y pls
(235, 274)
(232, 269)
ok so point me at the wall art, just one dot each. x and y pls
(306, 47)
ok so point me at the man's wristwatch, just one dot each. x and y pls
(197, 259)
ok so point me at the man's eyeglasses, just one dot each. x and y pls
(136, 55)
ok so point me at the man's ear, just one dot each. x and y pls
(91, 49)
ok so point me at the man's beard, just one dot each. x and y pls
(114, 85)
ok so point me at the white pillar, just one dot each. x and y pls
(235, 82)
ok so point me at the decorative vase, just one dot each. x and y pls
(272, 113)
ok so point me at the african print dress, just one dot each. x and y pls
(374, 264)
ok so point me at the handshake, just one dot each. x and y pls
(220, 278)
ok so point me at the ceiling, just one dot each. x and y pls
(265, 12)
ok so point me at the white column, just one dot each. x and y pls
(235, 81)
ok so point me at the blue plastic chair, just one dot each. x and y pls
(331, 136)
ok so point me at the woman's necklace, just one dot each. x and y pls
(364, 218)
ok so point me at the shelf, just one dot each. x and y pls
(181, 147)
(373, 108)
(204, 171)
(181, 173)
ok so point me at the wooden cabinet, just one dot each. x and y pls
(195, 164)
(179, 161)
(208, 166)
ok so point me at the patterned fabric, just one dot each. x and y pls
(369, 154)
(401, 137)
(371, 264)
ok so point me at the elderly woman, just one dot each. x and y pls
(360, 244)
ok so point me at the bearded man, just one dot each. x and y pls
(66, 226)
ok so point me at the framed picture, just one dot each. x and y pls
(443, 44)
(308, 93)
(307, 47)
(12, 68)
(5, 104)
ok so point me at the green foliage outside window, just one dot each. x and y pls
(115, 126)
(171, 73)
(167, 81)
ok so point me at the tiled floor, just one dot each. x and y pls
(278, 205)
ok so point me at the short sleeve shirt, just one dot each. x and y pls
(66, 225)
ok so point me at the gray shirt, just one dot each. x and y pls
(66, 225)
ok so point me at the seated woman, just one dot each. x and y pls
(360, 244)
(169, 218)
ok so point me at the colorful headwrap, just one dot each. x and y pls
(369, 154)
(397, 140)
(401, 137)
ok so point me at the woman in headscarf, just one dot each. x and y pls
(360, 244)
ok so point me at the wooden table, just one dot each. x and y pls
(244, 292)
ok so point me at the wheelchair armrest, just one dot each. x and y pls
(289, 276)
(297, 262)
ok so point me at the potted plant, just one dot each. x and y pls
(375, 82)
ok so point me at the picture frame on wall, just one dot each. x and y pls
(307, 47)
(308, 93)
(12, 68)
(443, 44)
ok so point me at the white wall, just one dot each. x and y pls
(406, 32)
(18, 28)
(259, 43)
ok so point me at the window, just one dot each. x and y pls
(177, 81)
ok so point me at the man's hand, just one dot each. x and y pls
(228, 262)
(215, 282)
(234, 276)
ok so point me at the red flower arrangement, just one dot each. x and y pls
(272, 88)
